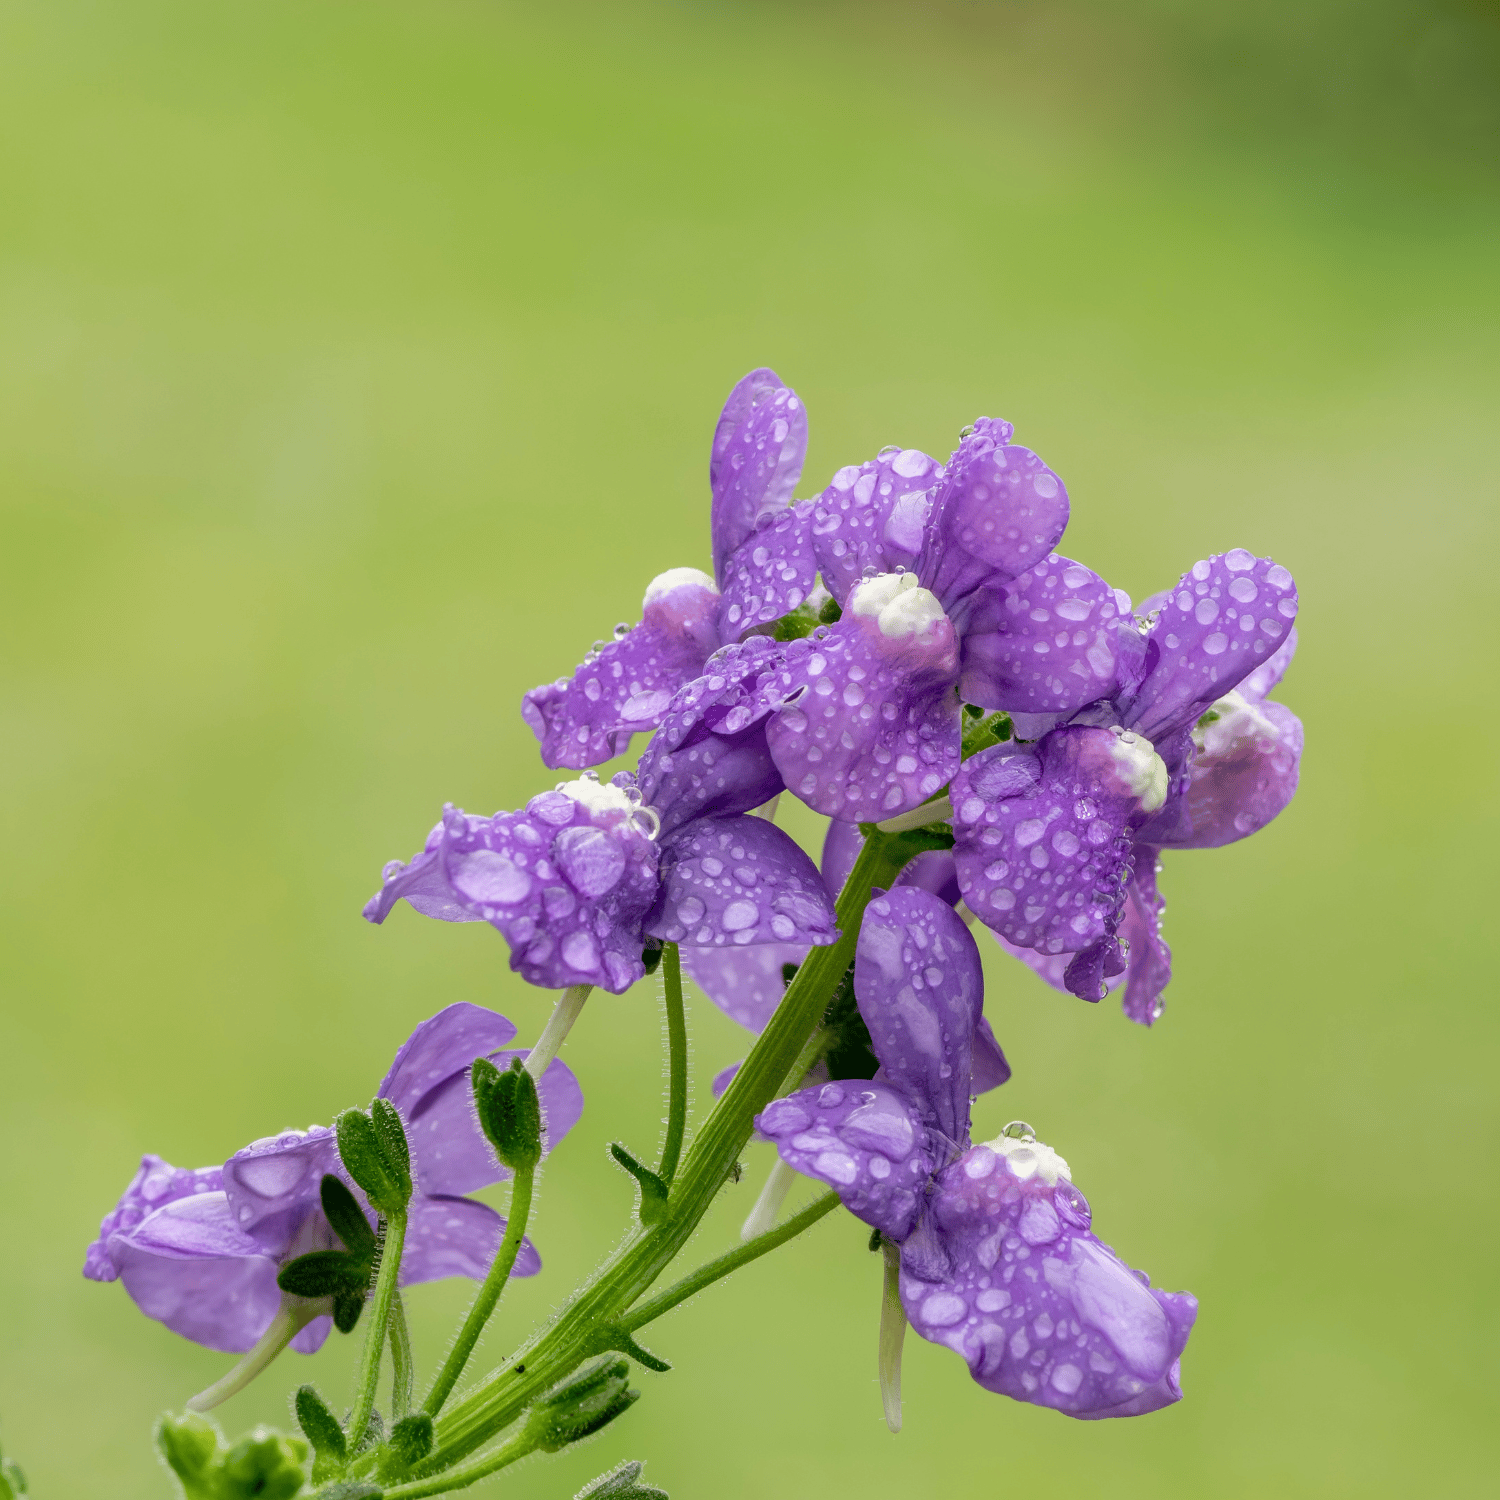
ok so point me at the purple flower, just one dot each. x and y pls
(578, 881)
(200, 1250)
(920, 558)
(1056, 842)
(763, 567)
(998, 1260)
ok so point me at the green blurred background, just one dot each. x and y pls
(358, 363)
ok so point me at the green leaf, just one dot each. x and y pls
(347, 1217)
(653, 1189)
(621, 1483)
(323, 1431)
(324, 1273)
(509, 1111)
(347, 1307)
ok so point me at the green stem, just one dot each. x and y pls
(393, 1240)
(892, 1335)
(402, 1369)
(291, 1318)
(489, 1292)
(573, 1335)
(555, 1032)
(457, 1479)
(731, 1260)
(671, 1151)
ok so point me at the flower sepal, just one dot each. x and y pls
(264, 1463)
(579, 1407)
(373, 1149)
(509, 1112)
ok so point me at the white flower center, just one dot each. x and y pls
(901, 607)
(1230, 725)
(674, 579)
(1139, 766)
(1027, 1159)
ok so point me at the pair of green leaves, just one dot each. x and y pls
(344, 1275)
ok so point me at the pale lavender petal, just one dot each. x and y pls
(724, 1077)
(1042, 842)
(456, 1237)
(273, 1184)
(1263, 680)
(999, 511)
(1228, 614)
(841, 846)
(1149, 962)
(1048, 642)
(313, 1337)
(756, 460)
(871, 517)
(188, 1265)
(155, 1184)
(745, 983)
(624, 685)
(440, 1047)
(424, 883)
(449, 1152)
(989, 1068)
(738, 881)
(1040, 1309)
(864, 1140)
(770, 574)
(872, 726)
(932, 870)
(920, 989)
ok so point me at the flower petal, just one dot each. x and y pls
(1042, 842)
(1149, 966)
(155, 1184)
(449, 1236)
(872, 517)
(273, 1184)
(1040, 1309)
(989, 1069)
(756, 459)
(771, 573)
(872, 729)
(187, 1265)
(999, 511)
(1047, 643)
(442, 1046)
(745, 983)
(1263, 680)
(920, 989)
(932, 870)
(737, 881)
(624, 685)
(1227, 615)
(864, 1140)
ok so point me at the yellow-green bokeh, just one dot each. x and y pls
(357, 368)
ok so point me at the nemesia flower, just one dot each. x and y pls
(997, 1257)
(579, 880)
(200, 1250)
(763, 568)
(1055, 842)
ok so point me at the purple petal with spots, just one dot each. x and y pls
(920, 988)
(273, 1183)
(874, 728)
(872, 517)
(737, 881)
(864, 1140)
(189, 1266)
(1262, 681)
(155, 1184)
(1037, 1305)
(756, 460)
(1149, 965)
(770, 573)
(745, 983)
(456, 1237)
(1047, 643)
(440, 1048)
(1227, 615)
(1042, 842)
(567, 881)
(624, 685)
(449, 1152)
(999, 511)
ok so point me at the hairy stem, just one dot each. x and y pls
(379, 1322)
(671, 1151)
(402, 1369)
(291, 1318)
(763, 1216)
(555, 1032)
(731, 1260)
(488, 1294)
(892, 1335)
(457, 1479)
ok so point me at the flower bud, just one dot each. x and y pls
(362, 1149)
(190, 1445)
(581, 1406)
(621, 1483)
(265, 1465)
(509, 1112)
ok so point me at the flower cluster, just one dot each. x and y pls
(998, 739)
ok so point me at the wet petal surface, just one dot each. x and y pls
(756, 459)
(872, 517)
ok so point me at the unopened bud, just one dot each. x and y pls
(363, 1154)
(510, 1113)
(581, 1406)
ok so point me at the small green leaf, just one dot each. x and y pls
(653, 1189)
(347, 1307)
(324, 1273)
(323, 1431)
(358, 1489)
(347, 1218)
(582, 1405)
